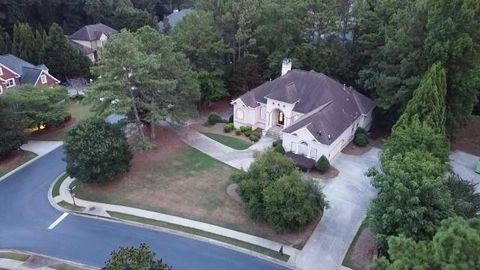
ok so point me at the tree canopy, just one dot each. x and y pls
(135, 258)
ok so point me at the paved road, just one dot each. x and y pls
(26, 214)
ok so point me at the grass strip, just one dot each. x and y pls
(347, 261)
(56, 187)
(66, 205)
(229, 141)
(242, 244)
(64, 266)
(14, 256)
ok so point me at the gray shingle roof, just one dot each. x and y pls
(175, 18)
(93, 32)
(28, 72)
(328, 106)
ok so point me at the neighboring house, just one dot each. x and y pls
(15, 71)
(312, 113)
(90, 38)
(174, 18)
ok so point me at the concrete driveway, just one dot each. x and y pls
(464, 165)
(349, 195)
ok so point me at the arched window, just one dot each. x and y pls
(239, 114)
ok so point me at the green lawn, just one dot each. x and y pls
(56, 187)
(238, 243)
(14, 256)
(17, 158)
(229, 141)
(79, 110)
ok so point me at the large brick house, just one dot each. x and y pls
(312, 113)
(15, 71)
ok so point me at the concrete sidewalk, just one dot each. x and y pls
(41, 148)
(240, 159)
(102, 208)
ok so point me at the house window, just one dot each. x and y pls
(1, 71)
(239, 114)
(10, 83)
(43, 79)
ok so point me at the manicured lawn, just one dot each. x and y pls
(56, 187)
(229, 141)
(14, 160)
(217, 237)
(177, 179)
(79, 110)
(66, 205)
(14, 256)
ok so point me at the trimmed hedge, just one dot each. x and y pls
(322, 165)
(214, 118)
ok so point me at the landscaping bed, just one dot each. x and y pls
(78, 111)
(331, 173)
(468, 140)
(14, 160)
(362, 250)
(176, 179)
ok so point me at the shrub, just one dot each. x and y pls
(238, 132)
(228, 127)
(254, 137)
(96, 151)
(214, 118)
(272, 183)
(244, 129)
(361, 139)
(278, 146)
(292, 202)
(247, 133)
(134, 258)
(322, 165)
(12, 135)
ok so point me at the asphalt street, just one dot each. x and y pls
(26, 214)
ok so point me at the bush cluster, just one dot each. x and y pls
(322, 165)
(361, 137)
(278, 146)
(275, 191)
(214, 118)
(228, 128)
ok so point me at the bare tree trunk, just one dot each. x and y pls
(137, 115)
(153, 134)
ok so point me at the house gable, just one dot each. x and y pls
(45, 79)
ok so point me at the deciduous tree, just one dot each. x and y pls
(12, 135)
(135, 259)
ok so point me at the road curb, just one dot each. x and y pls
(166, 230)
(19, 168)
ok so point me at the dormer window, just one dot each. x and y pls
(43, 78)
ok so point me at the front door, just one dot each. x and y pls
(281, 119)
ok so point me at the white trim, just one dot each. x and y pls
(308, 131)
(14, 73)
(9, 80)
(1, 71)
(46, 73)
(43, 78)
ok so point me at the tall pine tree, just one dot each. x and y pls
(24, 45)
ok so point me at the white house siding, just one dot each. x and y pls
(85, 43)
(292, 143)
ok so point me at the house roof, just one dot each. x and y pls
(93, 32)
(86, 50)
(175, 18)
(328, 106)
(29, 73)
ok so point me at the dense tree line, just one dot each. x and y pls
(52, 49)
(73, 14)
(416, 193)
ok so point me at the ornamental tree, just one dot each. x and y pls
(135, 259)
(96, 151)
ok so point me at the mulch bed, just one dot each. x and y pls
(355, 150)
(363, 249)
(331, 173)
(468, 140)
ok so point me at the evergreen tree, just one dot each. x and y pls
(62, 59)
(12, 135)
(3, 43)
(197, 37)
(428, 102)
(24, 45)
